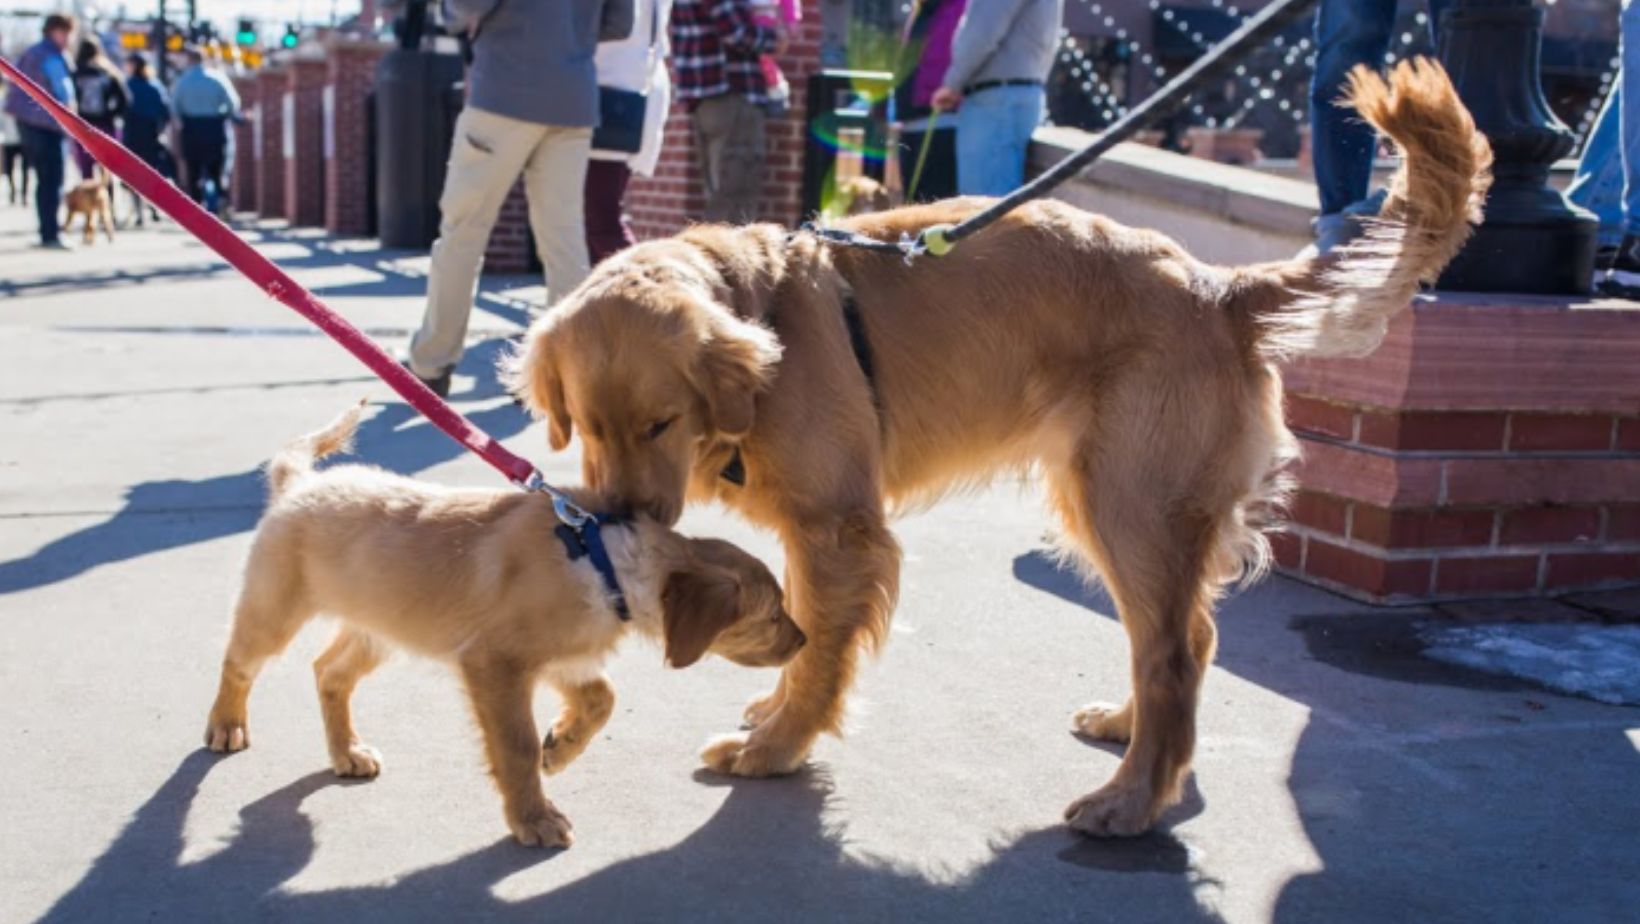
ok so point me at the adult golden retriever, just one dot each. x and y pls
(1140, 382)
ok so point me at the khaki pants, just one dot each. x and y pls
(488, 153)
(729, 148)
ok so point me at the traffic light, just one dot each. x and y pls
(246, 34)
(291, 38)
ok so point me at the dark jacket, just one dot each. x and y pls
(102, 96)
(533, 59)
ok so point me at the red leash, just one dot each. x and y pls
(271, 279)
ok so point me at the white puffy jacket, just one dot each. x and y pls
(638, 63)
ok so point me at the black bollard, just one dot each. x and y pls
(1533, 240)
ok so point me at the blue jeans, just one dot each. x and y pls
(44, 149)
(1347, 33)
(994, 129)
(1608, 173)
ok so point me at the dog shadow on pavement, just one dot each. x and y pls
(766, 854)
(1428, 788)
(162, 515)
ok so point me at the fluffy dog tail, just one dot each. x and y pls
(1340, 304)
(297, 458)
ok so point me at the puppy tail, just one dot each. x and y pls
(297, 458)
(1340, 304)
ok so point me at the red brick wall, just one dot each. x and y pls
(270, 167)
(351, 71)
(243, 182)
(1489, 447)
(305, 173)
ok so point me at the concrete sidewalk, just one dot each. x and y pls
(1340, 776)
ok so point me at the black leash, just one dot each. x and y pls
(939, 239)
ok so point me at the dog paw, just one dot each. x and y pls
(1104, 722)
(359, 761)
(760, 708)
(227, 735)
(738, 755)
(559, 750)
(544, 827)
(1113, 810)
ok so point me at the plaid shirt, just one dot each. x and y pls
(715, 48)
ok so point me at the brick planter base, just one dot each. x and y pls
(1489, 448)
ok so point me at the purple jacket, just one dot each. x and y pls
(46, 65)
(936, 51)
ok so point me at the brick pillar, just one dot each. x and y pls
(1489, 448)
(270, 166)
(350, 73)
(242, 184)
(672, 198)
(303, 140)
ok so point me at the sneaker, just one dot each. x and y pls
(439, 384)
(55, 244)
(1623, 277)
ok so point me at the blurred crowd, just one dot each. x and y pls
(181, 130)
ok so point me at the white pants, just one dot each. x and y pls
(487, 155)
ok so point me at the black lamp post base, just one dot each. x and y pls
(1542, 258)
(1533, 239)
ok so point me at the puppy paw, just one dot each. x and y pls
(559, 749)
(360, 761)
(226, 735)
(1104, 722)
(1114, 810)
(739, 755)
(543, 827)
(760, 708)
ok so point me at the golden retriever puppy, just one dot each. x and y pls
(479, 579)
(812, 388)
(91, 199)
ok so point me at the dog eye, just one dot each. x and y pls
(658, 427)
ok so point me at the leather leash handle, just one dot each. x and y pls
(274, 281)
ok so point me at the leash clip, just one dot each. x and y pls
(568, 512)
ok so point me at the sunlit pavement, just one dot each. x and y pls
(1340, 777)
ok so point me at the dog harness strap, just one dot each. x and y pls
(588, 541)
(272, 280)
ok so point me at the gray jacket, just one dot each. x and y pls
(1004, 40)
(533, 59)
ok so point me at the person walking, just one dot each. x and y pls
(716, 47)
(511, 125)
(100, 94)
(45, 64)
(205, 101)
(145, 122)
(929, 31)
(1347, 33)
(636, 68)
(1000, 57)
(1607, 181)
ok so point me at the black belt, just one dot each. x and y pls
(993, 84)
(735, 471)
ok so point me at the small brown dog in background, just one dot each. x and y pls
(91, 199)
(478, 578)
(862, 195)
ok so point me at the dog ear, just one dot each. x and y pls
(532, 376)
(697, 604)
(735, 364)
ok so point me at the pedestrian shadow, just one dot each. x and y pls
(767, 853)
(157, 516)
(1439, 808)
